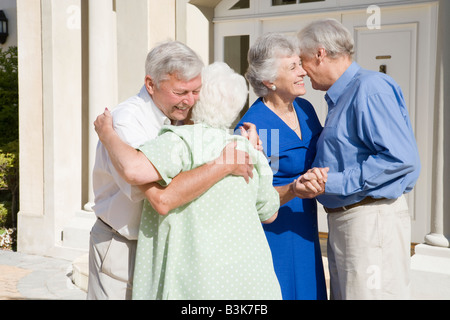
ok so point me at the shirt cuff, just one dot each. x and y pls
(334, 183)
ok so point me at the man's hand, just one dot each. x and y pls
(104, 125)
(238, 162)
(311, 184)
(248, 130)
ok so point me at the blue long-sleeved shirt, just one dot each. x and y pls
(367, 141)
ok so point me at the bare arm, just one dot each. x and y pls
(189, 185)
(136, 169)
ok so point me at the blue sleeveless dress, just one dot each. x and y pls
(293, 237)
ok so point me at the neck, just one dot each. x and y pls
(337, 67)
(277, 103)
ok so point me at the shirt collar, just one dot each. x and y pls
(338, 87)
(159, 115)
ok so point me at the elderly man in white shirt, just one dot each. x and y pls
(172, 85)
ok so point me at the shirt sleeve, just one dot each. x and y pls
(132, 135)
(390, 151)
(169, 154)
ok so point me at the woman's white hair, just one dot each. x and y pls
(173, 57)
(264, 59)
(328, 34)
(223, 95)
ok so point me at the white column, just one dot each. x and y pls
(437, 237)
(439, 230)
(430, 265)
(102, 77)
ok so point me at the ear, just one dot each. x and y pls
(149, 84)
(321, 54)
(268, 84)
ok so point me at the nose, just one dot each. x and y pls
(302, 72)
(189, 99)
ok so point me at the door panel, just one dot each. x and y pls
(391, 50)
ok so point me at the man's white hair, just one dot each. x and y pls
(328, 34)
(172, 58)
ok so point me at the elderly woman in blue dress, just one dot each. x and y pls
(289, 128)
(214, 247)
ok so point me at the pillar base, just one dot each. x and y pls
(77, 232)
(430, 273)
(437, 240)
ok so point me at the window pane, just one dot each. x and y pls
(242, 4)
(283, 2)
(235, 55)
(306, 1)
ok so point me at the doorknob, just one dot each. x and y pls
(383, 68)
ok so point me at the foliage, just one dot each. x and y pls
(9, 145)
(8, 239)
(3, 213)
(7, 236)
(9, 165)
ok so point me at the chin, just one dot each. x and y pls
(180, 116)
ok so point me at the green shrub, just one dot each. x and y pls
(3, 214)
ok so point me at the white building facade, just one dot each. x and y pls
(77, 57)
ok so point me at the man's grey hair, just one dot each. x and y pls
(264, 59)
(173, 58)
(328, 34)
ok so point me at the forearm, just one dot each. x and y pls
(285, 193)
(132, 165)
(185, 187)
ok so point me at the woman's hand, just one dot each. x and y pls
(237, 162)
(248, 130)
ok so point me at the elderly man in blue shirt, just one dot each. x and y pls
(369, 145)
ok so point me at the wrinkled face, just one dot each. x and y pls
(316, 72)
(289, 81)
(175, 97)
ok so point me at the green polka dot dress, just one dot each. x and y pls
(214, 247)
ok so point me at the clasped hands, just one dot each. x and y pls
(311, 184)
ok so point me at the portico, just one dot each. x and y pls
(77, 57)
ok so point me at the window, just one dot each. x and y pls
(284, 2)
(242, 4)
(235, 55)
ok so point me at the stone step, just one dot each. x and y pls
(77, 231)
(80, 273)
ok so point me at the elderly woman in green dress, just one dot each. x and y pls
(213, 247)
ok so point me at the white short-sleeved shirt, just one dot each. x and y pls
(117, 203)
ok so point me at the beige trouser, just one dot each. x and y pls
(369, 251)
(111, 264)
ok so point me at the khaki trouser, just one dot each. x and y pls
(111, 264)
(369, 251)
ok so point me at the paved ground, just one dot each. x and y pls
(29, 277)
